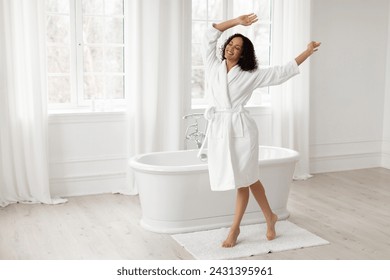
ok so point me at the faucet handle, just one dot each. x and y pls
(194, 115)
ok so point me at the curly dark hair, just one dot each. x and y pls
(248, 61)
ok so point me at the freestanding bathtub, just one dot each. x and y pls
(175, 195)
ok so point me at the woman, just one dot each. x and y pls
(232, 133)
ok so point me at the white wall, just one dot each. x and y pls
(348, 84)
(88, 153)
(386, 119)
(350, 107)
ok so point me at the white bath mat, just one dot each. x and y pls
(206, 245)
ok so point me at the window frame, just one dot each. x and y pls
(77, 71)
(262, 98)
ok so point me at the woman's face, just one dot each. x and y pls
(233, 50)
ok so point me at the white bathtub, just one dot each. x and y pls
(175, 194)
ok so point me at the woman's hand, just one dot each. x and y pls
(247, 20)
(313, 47)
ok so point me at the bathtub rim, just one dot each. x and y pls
(293, 156)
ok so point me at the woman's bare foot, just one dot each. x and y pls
(271, 233)
(231, 240)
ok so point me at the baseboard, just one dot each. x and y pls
(386, 154)
(88, 184)
(343, 163)
(345, 156)
(386, 161)
(88, 175)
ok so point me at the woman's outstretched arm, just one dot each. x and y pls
(311, 48)
(245, 20)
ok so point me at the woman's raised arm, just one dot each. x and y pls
(244, 20)
(311, 48)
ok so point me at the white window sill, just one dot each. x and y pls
(86, 111)
(85, 116)
(253, 109)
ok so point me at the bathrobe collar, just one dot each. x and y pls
(224, 99)
(233, 73)
(225, 78)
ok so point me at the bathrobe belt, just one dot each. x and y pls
(236, 122)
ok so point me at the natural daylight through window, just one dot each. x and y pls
(206, 12)
(85, 52)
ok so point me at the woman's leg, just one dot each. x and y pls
(258, 192)
(241, 203)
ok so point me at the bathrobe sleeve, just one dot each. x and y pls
(275, 75)
(209, 44)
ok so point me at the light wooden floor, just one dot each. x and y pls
(349, 209)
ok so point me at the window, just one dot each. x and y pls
(85, 52)
(206, 12)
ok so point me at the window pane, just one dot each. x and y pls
(58, 59)
(114, 87)
(93, 86)
(103, 87)
(114, 30)
(57, 6)
(93, 59)
(105, 58)
(196, 55)
(94, 7)
(197, 83)
(261, 33)
(204, 12)
(215, 9)
(114, 59)
(198, 29)
(58, 29)
(102, 73)
(58, 89)
(263, 8)
(99, 59)
(93, 28)
(114, 7)
(199, 9)
(262, 55)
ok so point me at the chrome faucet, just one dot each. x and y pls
(195, 135)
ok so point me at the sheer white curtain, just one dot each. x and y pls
(290, 101)
(23, 116)
(159, 63)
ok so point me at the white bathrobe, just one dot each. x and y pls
(232, 133)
